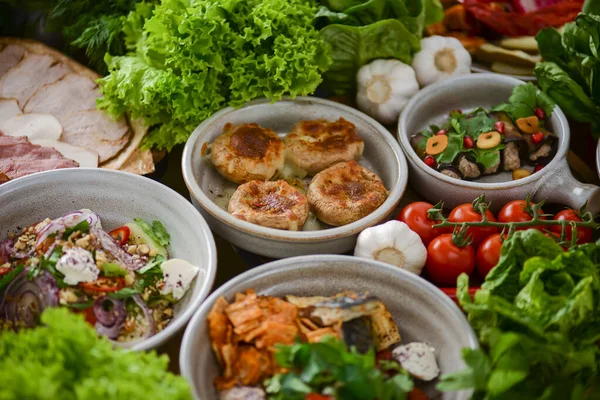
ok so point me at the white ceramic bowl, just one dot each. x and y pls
(554, 182)
(117, 198)
(382, 155)
(421, 311)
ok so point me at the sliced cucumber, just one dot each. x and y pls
(138, 236)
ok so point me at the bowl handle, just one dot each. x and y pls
(560, 186)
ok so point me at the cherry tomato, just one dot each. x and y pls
(538, 168)
(537, 138)
(514, 211)
(417, 394)
(466, 213)
(441, 132)
(584, 235)
(415, 216)
(317, 396)
(540, 113)
(121, 235)
(89, 315)
(468, 142)
(451, 292)
(488, 254)
(499, 126)
(104, 284)
(430, 161)
(446, 261)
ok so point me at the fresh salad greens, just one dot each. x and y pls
(571, 68)
(65, 359)
(361, 31)
(537, 317)
(189, 58)
(156, 231)
(329, 367)
(523, 102)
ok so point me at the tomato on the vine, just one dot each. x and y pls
(516, 211)
(584, 235)
(415, 216)
(446, 261)
(466, 213)
(488, 254)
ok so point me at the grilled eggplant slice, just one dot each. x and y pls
(450, 170)
(545, 151)
(341, 308)
(385, 329)
(415, 141)
(358, 332)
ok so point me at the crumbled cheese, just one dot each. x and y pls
(78, 265)
(418, 359)
(178, 275)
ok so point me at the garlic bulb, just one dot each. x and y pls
(439, 59)
(393, 243)
(384, 88)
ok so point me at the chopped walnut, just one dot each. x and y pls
(5, 265)
(143, 250)
(131, 249)
(66, 296)
(129, 278)
(83, 242)
(153, 252)
(129, 325)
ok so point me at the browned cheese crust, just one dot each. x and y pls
(247, 152)
(345, 192)
(272, 204)
(315, 145)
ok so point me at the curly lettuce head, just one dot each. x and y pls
(194, 57)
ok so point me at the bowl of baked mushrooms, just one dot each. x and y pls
(298, 176)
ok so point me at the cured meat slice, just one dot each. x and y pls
(95, 130)
(10, 55)
(84, 157)
(33, 72)
(70, 94)
(19, 157)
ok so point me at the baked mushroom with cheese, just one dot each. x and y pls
(271, 204)
(246, 152)
(345, 192)
(312, 146)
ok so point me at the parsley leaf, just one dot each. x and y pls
(523, 102)
(49, 264)
(156, 231)
(525, 94)
(6, 279)
(479, 123)
(488, 157)
(455, 144)
(83, 227)
(113, 270)
(124, 293)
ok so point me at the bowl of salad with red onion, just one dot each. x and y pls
(129, 255)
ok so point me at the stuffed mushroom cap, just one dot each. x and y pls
(345, 192)
(271, 204)
(247, 152)
(315, 145)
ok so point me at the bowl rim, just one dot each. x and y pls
(186, 356)
(177, 201)
(398, 187)
(457, 82)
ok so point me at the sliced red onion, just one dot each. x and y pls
(109, 320)
(59, 225)
(24, 300)
(106, 242)
(6, 250)
(148, 314)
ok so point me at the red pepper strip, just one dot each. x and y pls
(4, 270)
(529, 24)
(451, 292)
(121, 235)
(103, 284)
(317, 396)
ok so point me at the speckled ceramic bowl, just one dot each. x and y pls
(117, 198)
(421, 311)
(382, 155)
(554, 182)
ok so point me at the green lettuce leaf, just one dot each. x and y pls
(354, 46)
(156, 231)
(64, 359)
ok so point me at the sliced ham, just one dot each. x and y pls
(10, 55)
(70, 94)
(33, 72)
(95, 130)
(19, 157)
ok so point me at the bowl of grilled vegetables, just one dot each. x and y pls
(362, 328)
(489, 134)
